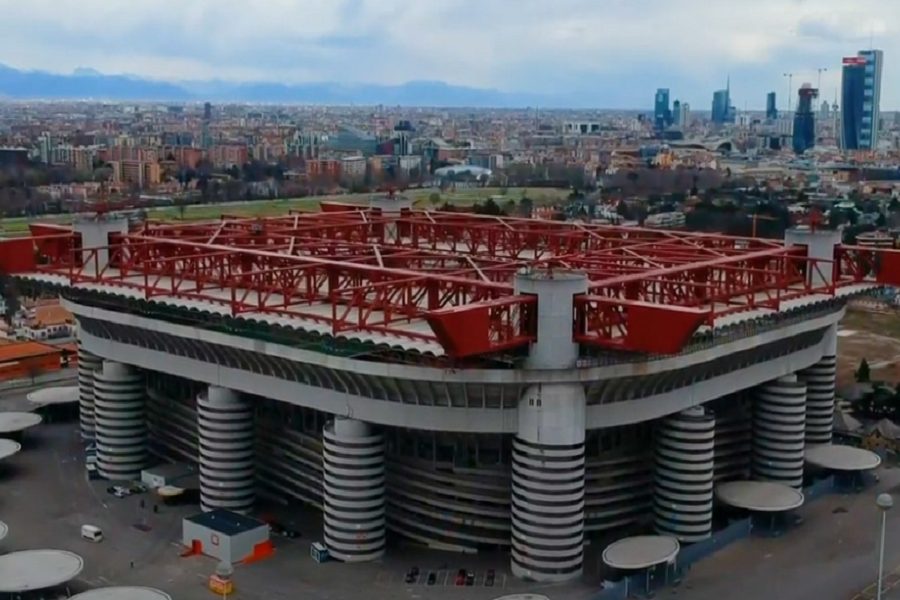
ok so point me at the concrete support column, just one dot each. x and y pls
(87, 364)
(353, 490)
(120, 424)
(94, 232)
(820, 244)
(819, 380)
(779, 423)
(683, 477)
(547, 502)
(225, 437)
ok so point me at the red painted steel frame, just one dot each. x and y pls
(449, 277)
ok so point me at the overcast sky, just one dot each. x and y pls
(618, 51)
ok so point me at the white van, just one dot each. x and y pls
(91, 533)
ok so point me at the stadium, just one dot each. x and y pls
(461, 381)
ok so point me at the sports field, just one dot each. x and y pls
(267, 208)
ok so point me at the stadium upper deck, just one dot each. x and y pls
(443, 282)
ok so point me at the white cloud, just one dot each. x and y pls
(509, 44)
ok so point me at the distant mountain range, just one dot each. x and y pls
(89, 84)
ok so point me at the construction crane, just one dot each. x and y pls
(790, 77)
(820, 70)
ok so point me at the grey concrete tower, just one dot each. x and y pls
(779, 423)
(87, 364)
(225, 437)
(683, 477)
(353, 490)
(121, 427)
(548, 450)
(819, 379)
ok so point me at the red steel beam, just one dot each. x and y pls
(380, 273)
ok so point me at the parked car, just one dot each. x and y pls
(461, 577)
(431, 578)
(489, 578)
(470, 578)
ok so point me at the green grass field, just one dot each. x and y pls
(269, 208)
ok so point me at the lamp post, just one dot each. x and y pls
(884, 503)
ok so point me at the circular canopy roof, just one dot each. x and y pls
(37, 569)
(842, 458)
(11, 422)
(760, 496)
(8, 448)
(54, 395)
(123, 593)
(3, 530)
(169, 491)
(641, 551)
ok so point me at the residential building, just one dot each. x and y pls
(353, 170)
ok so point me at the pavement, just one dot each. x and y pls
(831, 555)
(45, 498)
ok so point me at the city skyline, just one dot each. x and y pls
(568, 52)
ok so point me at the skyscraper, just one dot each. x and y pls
(205, 136)
(685, 120)
(720, 105)
(861, 100)
(804, 119)
(722, 111)
(662, 117)
(771, 107)
(676, 113)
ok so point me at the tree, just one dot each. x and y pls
(10, 294)
(526, 206)
(434, 198)
(489, 207)
(34, 371)
(863, 373)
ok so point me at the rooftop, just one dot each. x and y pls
(22, 350)
(444, 282)
(226, 522)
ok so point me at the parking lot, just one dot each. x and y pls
(445, 577)
(46, 499)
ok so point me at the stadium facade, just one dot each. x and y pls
(462, 381)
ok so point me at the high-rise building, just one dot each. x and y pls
(771, 107)
(685, 120)
(861, 100)
(804, 136)
(206, 137)
(662, 117)
(722, 111)
(676, 113)
(720, 104)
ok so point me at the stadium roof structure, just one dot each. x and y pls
(444, 282)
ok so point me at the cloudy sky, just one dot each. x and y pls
(617, 51)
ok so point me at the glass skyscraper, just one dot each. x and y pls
(720, 106)
(804, 136)
(861, 100)
(662, 116)
(771, 108)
